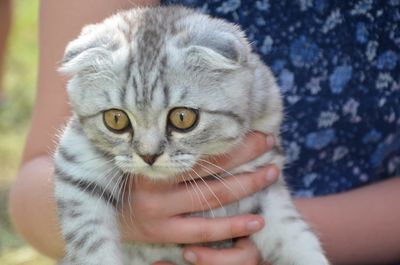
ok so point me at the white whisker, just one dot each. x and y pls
(226, 172)
(202, 194)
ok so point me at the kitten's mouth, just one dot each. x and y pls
(156, 172)
(160, 170)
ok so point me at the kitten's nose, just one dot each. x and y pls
(150, 159)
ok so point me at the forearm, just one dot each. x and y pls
(358, 227)
(33, 209)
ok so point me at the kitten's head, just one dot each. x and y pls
(159, 88)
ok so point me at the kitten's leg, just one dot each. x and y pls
(287, 239)
(146, 254)
(86, 191)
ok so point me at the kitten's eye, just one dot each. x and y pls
(182, 118)
(116, 120)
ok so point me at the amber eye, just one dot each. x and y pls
(182, 118)
(116, 120)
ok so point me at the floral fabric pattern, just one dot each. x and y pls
(338, 65)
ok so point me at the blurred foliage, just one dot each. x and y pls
(19, 84)
(21, 67)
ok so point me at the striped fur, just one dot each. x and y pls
(147, 62)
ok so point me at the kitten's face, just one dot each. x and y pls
(156, 102)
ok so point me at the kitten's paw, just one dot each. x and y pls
(315, 259)
(75, 261)
(307, 259)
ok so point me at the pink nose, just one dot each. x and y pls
(150, 159)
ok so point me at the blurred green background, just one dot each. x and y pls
(19, 85)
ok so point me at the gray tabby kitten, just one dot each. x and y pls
(153, 91)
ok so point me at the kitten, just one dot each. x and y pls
(154, 90)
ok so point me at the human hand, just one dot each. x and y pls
(243, 253)
(156, 213)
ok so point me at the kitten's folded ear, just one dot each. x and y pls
(218, 43)
(85, 52)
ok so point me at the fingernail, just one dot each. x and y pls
(272, 174)
(190, 256)
(253, 226)
(270, 141)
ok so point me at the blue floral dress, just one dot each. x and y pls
(338, 66)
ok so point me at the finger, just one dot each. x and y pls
(188, 230)
(253, 145)
(162, 263)
(199, 196)
(243, 253)
(246, 244)
(205, 195)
